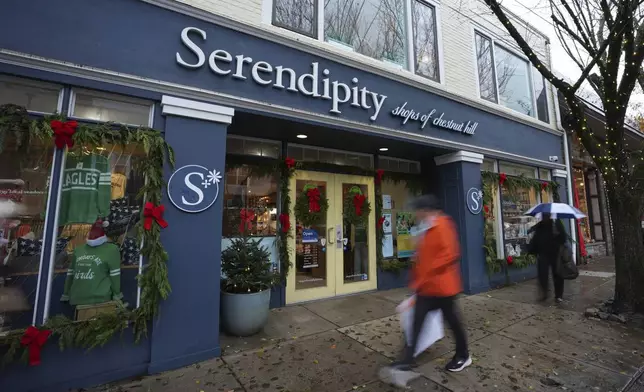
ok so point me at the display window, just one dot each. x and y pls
(582, 202)
(397, 240)
(514, 204)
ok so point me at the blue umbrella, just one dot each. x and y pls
(556, 210)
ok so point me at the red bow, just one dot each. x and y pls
(502, 178)
(290, 162)
(246, 217)
(63, 132)
(544, 185)
(35, 338)
(285, 223)
(153, 213)
(358, 202)
(379, 174)
(314, 199)
(486, 209)
(510, 260)
(381, 220)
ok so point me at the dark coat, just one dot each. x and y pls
(548, 237)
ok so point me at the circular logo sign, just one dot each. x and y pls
(194, 188)
(474, 200)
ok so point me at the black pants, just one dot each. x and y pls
(545, 265)
(448, 306)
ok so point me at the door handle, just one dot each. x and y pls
(330, 235)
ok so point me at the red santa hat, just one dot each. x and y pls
(98, 229)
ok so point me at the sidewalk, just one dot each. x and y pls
(338, 345)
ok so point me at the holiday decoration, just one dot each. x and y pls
(502, 178)
(290, 162)
(311, 206)
(379, 174)
(152, 213)
(509, 260)
(486, 209)
(356, 207)
(380, 222)
(285, 223)
(544, 185)
(34, 339)
(246, 266)
(246, 218)
(63, 132)
(153, 281)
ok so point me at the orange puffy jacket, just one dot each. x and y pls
(436, 272)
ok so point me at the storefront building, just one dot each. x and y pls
(237, 103)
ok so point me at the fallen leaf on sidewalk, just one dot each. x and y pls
(315, 361)
(333, 346)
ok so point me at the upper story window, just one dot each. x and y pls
(297, 15)
(508, 79)
(326, 155)
(379, 29)
(99, 106)
(250, 146)
(32, 95)
(398, 165)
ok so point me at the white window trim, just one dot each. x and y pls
(267, 18)
(108, 96)
(37, 84)
(507, 47)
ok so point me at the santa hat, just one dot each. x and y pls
(98, 229)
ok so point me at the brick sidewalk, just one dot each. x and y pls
(338, 345)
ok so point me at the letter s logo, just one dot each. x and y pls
(475, 200)
(193, 188)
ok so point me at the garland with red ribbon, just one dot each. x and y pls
(34, 339)
(311, 206)
(285, 222)
(152, 213)
(379, 174)
(502, 178)
(63, 132)
(356, 208)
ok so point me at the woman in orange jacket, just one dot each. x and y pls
(436, 279)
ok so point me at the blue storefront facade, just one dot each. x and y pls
(212, 84)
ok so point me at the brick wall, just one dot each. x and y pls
(458, 18)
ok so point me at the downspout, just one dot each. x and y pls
(573, 231)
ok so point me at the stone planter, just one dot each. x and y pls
(244, 314)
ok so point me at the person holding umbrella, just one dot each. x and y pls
(548, 243)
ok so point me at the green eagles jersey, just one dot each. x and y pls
(94, 276)
(86, 190)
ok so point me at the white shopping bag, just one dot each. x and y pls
(432, 330)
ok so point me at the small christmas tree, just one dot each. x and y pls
(245, 265)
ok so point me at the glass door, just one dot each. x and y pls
(332, 257)
(312, 275)
(356, 259)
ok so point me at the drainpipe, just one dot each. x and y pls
(573, 231)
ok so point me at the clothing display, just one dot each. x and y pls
(130, 251)
(86, 190)
(95, 274)
(122, 217)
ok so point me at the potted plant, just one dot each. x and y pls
(247, 278)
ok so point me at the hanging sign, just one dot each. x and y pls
(474, 200)
(194, 188)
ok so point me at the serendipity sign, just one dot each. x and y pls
(437, 120)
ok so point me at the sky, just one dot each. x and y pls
(537, 13)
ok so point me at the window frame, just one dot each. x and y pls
(37, 84)
(109, 96)
(268, 17)
(530, 77)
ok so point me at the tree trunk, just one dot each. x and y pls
(629, 248)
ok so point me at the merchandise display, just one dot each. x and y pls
(94, 276)
(86, 190)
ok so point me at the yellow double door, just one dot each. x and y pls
(332, 257)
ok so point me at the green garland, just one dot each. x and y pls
(512, 185)
(154, 282)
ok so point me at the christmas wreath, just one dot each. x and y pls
(356, 207)
(311, 206)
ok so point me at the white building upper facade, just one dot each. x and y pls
(453, 47)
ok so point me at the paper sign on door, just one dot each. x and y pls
(338, 236)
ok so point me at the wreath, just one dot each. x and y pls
(311, 206)
(356, 207)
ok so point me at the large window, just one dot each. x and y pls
(99, 106)
(297, 15)
(508, 79)
(380, 29)
(34, 96)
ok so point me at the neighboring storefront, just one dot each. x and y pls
(257, 129)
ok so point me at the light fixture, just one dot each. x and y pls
(384, 149)
(302, 136)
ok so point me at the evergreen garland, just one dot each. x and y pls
(154, 282)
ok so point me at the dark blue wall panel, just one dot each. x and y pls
(117, 37)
